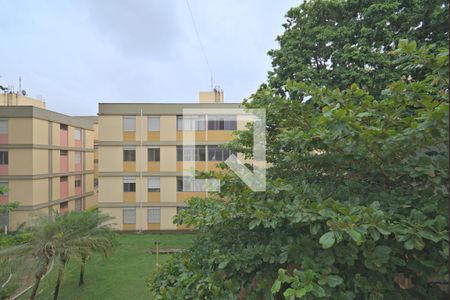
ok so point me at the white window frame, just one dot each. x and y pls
(148, 158)
(77, 157)
(129, 148)
(78, 177)
(77, 134)
(130, 180)
(190, 185)
(153, 123)
(154, 215)
(126, 218)
(190, 123)
(7, 156)
(129, 123)
(78, 204)
(3, 126)
(153, 183)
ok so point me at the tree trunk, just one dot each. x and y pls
(82, 268)
(38, 276)
(60, 277)
(35, 287)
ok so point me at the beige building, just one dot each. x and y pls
(46, 160)
(141, 155)
(14, 99)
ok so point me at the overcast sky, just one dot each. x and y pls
(78, 53)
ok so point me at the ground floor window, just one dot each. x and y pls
(78, 204)
(129, 216)
(154, 215)
(63, 207)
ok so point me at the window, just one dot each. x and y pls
(154, 215)
(191, 153)
(153, 184)
(222, 123)
(63, 179)
(4, 187)
(3, 157)
(77, 180)
(153, 154)
(78, 205)
(129, 184)
(215, 153)
(77, 134)
(189, 184)
(190, 123)
(63, 127)
(77, 158)
(63, 152)
(63, 206)
(95, 182)
(153, 123)
(129, 123)
(3, 126)
(129, 154)
(129, 216)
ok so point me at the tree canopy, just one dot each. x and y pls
(336, 43)
(356, 201)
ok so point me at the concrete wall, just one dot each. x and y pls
(110, 128)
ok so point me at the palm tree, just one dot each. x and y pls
(43, 248)
(81, 234)
(73, 234)
(103, 242)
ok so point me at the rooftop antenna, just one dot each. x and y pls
(20, 83)
(201, 45)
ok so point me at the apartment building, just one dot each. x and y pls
(141, 156)
(46, 161)
(14, 99)
(93, 121)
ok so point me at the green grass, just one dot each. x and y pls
(123, 275)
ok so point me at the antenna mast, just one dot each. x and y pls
(201, 45)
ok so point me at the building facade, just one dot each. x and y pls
(141, 155)
(46, 162)
(15, 99)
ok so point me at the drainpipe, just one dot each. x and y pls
(140, 172)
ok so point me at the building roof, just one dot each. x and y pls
(43, 114)
(157, 108)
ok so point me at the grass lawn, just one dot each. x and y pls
(123, 275)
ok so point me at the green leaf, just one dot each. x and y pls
(318, 291)
(326, 212)
(334, 280)
(290, 292)
(223, 264)
(356, 236)
(276, 286)
(327, 240)
(314, 229)
(429, 235)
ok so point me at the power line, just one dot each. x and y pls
(201, 44)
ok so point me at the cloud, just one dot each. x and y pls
(147, 28)
(79, 53)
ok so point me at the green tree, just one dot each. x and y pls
(42, 247)
(73, 235)
(337, 43)
(6, 208)
(356, 196)
(80, 234)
